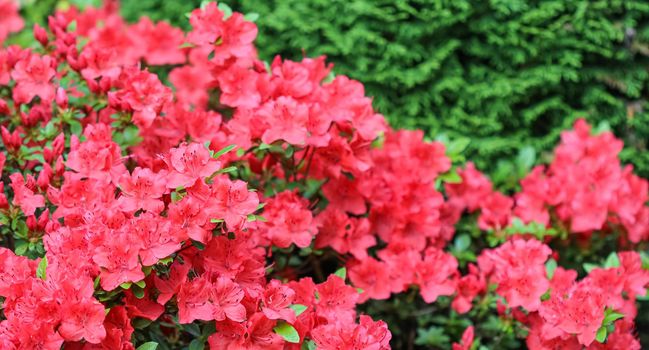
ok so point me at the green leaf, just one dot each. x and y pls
(550, 267)
(434, 336)
(50, 130)
(601, 335)
(196, 344)
(208, 329)
(588, 267)
(21, 229)
(457, 146)
(341, 272)
(612, 261)
(82, 4)
(21, 247)
(229, 169)
(192, 329)
(148, 346)
(141, 323)
(251, 17)
(126, 285)
(204, 4)
(603, 126)
(226, 149)
(141, 283)
(198, 244)
(611, 316)
(227, 11)
(186, 45)
(175, 196)
(645, 260)
(643, 297)
(462, 242)
(166, 260)
(42, 266)
(129, 137)
(526, 159)
(75, 127)
(451, 177)
(308, 345)
(4, 220)
(287, 332)
(72, 27)
(298, 308)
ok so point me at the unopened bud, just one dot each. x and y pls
(41, 35)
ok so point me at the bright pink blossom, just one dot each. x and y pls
(24, 197)
(189, 163)
(33, 76)
(10, 21)
(142, 189)
(288, 220)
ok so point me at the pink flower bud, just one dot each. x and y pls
(59, 167)
(48, 155)
(44, 219)
(41, 35)
(12, 141)
(31, 223)
(44, 177)
(4, 107)
(61, 98)
(4, 203)
(58, 144)
(105, 84)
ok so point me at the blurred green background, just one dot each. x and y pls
(505, 74)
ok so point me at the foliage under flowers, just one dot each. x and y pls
(228, 209)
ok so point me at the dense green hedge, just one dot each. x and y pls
(505, 73)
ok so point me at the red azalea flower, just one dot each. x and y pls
(161, 42)
(286, 120)
(288, 220)
(226, 298)
(189, 163)
(467, 340)
(276, 301)
(232, 202)
(83, 321)
(10, 22)
(256, 333)
(372, 277)
(33, 76)
(118, 258)
(24, 197)
(434, 274)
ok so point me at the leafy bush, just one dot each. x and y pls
(505, 74)
(255, 205)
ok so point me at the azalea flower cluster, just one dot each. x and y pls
(586, 188)
(560, 311)
(125, 240)
(216, 210)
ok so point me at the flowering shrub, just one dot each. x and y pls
(268, 206)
